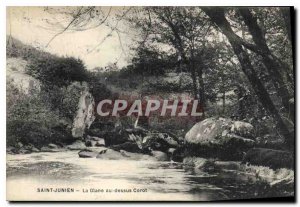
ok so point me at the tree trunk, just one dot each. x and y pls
(217, 15)
(286, 14)
(241, 102)
(201, 87)
(194, 78)
(269, 61)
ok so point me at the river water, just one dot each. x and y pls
(97, 179)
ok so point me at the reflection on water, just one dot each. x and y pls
(163, 180)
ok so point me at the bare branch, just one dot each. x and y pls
(65, 29)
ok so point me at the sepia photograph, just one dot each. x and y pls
(150, 103)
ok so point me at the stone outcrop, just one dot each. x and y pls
(85, 113)
(16, 74)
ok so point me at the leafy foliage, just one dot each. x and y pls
(58, 71)
(31, 120)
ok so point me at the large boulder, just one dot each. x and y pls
(220, 138)
(274, 159)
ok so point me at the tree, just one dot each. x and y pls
(183, 31)
(57, 71)
(217, 15)
(269, 60)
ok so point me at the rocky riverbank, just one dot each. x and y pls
(213, 144)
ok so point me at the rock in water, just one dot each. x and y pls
(110, 154)
(11, 150)
(20, 145)
(92, 141)
(48, 149)
(89, 143)
(160, 156)
(274, 159)
(77, 145)
(178, 154)
(24, 151)
(34, 149)
(52, 146)
(85, 113)
(220, 138)
(159, 142)
(87, 153)
(100, 143)
(127, 146)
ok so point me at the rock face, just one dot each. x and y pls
(85, 113)
(16, 74)
(274, 159)
(221, 138)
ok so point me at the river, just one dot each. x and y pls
(97, 179)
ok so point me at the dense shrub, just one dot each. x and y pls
(31, 120)
(57, 71)
(47, 115)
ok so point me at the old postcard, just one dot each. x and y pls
(150, 103)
